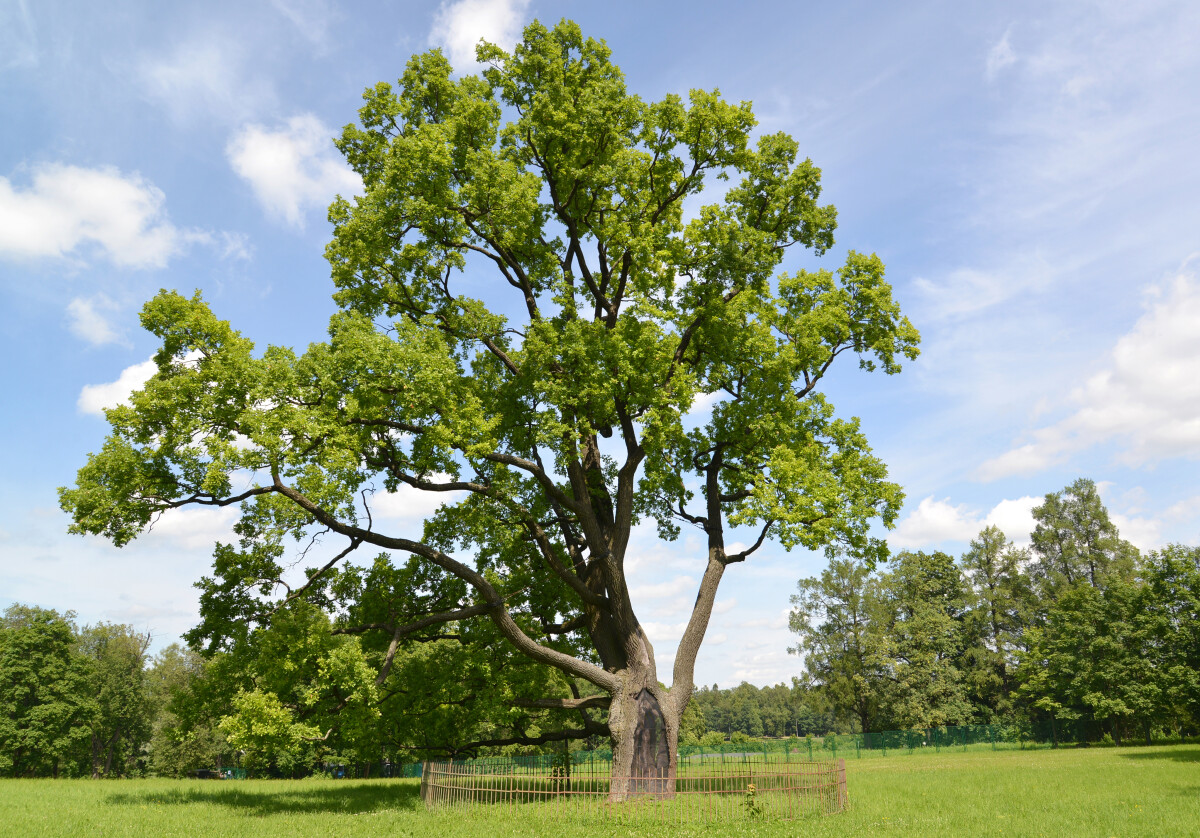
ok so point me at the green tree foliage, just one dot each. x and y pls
(186, 712)
(1088, 656)
(1000, 607)
(776, 711)
(1079, 632)
(526, 316)
(1171, 606)
(44, 693)
(1089, 659)
(837, 617)
(268, 734)
(1075, 542)
(117, 703)
(692, 727)
(920, 631)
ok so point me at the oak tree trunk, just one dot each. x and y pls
(645, 734)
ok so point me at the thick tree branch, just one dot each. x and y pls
(689, 645)
(762, 536)
(433, 619)
(496, 611)
(592, 701)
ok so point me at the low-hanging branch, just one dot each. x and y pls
(591, 701)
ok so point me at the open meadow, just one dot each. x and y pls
(1152, 791)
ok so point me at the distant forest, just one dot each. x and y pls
(1079, 631)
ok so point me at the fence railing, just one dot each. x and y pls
(770, 791)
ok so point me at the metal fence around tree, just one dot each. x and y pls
(565, 788)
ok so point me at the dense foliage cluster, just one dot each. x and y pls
(1079, 630)
(73, 701)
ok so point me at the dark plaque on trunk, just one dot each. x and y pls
(651, 758)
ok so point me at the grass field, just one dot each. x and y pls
(1076, 793)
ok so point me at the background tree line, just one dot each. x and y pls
(90, 701)
(1078, 631)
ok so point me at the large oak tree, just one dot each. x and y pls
(527, 314)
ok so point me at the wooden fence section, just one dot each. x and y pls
(772, 791)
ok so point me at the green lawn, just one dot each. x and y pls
(1076, 793)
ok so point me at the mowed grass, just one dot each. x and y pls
(1076, 793)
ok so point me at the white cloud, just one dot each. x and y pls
(772, 667)
(233, 245)
(459, 26)
(702, 403)
(196, 528)
(1014, 518)
(1143, 533)
(937, 521)
(204, 77)
(779, 621)
(664, 634)
(95, 398)
(292, 169)
(68, 207)
(1183, 510)
(664, 590)
(1146, 400)
(89, 320)
(1000, 56)
(411, 506)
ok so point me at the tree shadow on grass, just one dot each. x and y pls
(283, 798)
(1177, 753)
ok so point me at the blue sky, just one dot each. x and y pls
(1026, 171)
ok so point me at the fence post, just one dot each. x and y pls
(843, 792)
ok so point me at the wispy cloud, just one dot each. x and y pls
(1146, 400)
(312, 19)
(459, 26)
(196, 529)
(1000, 56)
(663, 590)
(291, 169)
(205, 77)
(1075, 197)
(90, 319)
(18, 36)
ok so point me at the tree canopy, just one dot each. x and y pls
(528, 309)
(1078, 630)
